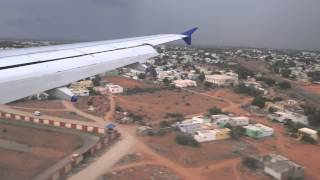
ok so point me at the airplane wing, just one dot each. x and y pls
(24, 72)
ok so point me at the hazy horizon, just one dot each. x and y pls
(286, 24)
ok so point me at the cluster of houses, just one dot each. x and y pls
(205, 129)
(279, 167)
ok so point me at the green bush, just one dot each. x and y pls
(164, 124)
(215, 111)
(250, 162)
(259, 101)
(284, 85)
(186, 140)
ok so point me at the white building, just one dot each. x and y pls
(222, 79)
(212, 135)
(310, 132)
(258, 131)
(288, 115)
(115, 89)
(185, 83)
(239, 121)
(220, 119)
(189, 126)
(80, 92)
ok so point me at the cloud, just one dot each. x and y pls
(272, 23)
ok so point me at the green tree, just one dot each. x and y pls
(96, 81)
(250, 162)
(284, 85)
(259, 101)
(186, 140)
(202, 77)
(214, 111)
(141, 76)
(286, 72)
(166, 81)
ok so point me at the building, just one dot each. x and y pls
(189, 126)
(115, 89)
(281, 168)
(309, 132)
(239, 121)
(222, 79)
(212, 135)
(222, 119)
(289, 116)
(80, 92)
(184, 83)
(85, 84)
(277, 107)
(258, 131)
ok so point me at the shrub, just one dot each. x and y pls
(259, 101)
(243, 89)
(284, 85)
(215, 111)
(250, 162)
(186, 140)
(164, 124)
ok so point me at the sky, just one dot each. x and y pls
(285, 24)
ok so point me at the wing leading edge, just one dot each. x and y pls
(24, 72)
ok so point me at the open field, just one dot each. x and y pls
(314, 88)
(143, 172)
(100, 104)
(47, 148)
(35, 104)
(208, 153)
(154, 106)
(129, 83)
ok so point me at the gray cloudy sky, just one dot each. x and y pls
(262, 23)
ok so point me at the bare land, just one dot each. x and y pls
(129, 83)
(208, 153)
(143, 172)
(47, 148)
(155, 106)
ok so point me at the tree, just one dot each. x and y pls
(186, 140)
(286, 72)
(166, 81)
(236, 132)
(259, 101)
(202, 77)
(313, 114)
(244, 72)
(215, 111)
(164, 124)
(96, 81)
(284, 85)
(243, 89)
(272, 110)
(315, 76)
(141, 76)
(250, 162)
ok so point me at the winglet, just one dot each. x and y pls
(189, 33)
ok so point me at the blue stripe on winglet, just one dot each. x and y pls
(189, 33)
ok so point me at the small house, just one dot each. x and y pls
(212, 135)
(309, 132)
(258, 131)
